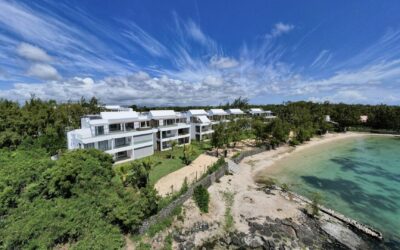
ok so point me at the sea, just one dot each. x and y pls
(356, 176)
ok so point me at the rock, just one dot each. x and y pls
(227, 240)
(236, 240)
(253, 241)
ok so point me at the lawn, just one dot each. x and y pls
(165, 164)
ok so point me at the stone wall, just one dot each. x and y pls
(248, 153)
(168, 210)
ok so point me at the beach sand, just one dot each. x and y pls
(249, 200)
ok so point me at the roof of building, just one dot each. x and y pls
(162, 114)
(256, 110)
(235, 111)
(98, 122)
(217, 112)
(193, 112)
(121, 115)
(204, 119)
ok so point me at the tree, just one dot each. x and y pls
(217, 138)
(173, 145)
(188, 153)
(279, 130)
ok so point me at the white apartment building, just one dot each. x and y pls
(261, 113)
(126, 135)
(217, 115)
(201, 126)
(171, 126)
(235, 113)
(129, 135)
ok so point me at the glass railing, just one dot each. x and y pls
(122, 145)
(142, 142)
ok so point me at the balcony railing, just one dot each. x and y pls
(122, 145)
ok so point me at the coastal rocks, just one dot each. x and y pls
(278, 234)
(343, 234)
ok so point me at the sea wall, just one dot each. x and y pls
(168, 210)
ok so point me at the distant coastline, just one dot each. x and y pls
(285, 151)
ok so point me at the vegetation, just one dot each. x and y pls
(163, 164)
(315, 202)
(41, 123)
(81, 202)
(202, 198)
(76, 200)
(229, 221)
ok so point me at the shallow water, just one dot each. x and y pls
(359, 177)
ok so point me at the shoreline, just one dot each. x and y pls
(286, 150)
(266, 217)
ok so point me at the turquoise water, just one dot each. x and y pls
(359, 177)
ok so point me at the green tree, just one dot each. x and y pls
(219, 137)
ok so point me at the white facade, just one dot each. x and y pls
(201, 126)
(129, 135)
(126, 135)
(171, 126)
(261, 113)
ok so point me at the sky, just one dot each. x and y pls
(192, 52)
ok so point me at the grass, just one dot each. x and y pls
(165, 164)
(229, 221)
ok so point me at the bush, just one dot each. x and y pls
(216, 165)
(202, 198)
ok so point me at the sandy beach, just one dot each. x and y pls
(249, 200)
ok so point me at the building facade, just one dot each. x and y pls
(129, 135)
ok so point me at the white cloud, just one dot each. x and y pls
(322, 59)
(280, 29)
(223, 62)
(44, 71)
(197, 34)
(144, 40)
(32, 52)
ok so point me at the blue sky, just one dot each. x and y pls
(201, 52)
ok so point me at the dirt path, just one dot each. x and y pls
(173, 181)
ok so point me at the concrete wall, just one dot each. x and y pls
(167, 211)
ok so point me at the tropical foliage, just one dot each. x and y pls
(76, 200)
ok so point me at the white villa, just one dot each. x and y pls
(129, 135)
(261, 113)
(201, 126)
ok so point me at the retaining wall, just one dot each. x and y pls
(168, 210)
(248, 153)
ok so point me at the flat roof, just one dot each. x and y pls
(217, 112)
(197, 112)
(235, 111)
(160, 114)
(121, 115)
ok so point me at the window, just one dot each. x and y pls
(114, 127)
(99, 130)
(145, 124)
(129, 126)
(120, 142)
(121, 155)
(103, 145)
(88, 145)
(169, 122)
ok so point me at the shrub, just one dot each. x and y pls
(314, 206)
(202, 198)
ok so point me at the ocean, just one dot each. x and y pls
(358, 177)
